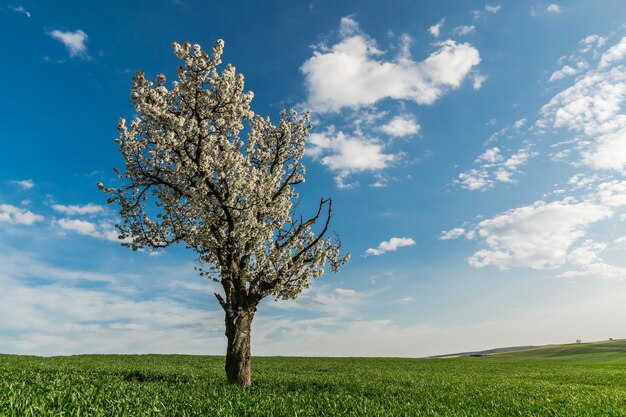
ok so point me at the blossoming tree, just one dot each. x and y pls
(191, 178)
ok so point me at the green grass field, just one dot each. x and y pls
(605, 352)
(563, 380)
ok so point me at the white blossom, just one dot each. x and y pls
(191, 177)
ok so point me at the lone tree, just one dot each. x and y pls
(190, 177)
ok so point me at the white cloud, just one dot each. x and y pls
(345, 293)
(590, 42)
(391, 245)
(566, 71)
(593, 107)
(348, 154)
(616, 53)
(492, 9)
(536, 236)
(452, 234)
(590, 265)
(517, 159)
(520, 123)
(79, 226)
(474, 179)
(553, 8)
(464, 30)
(611, 193)
(78, 209)
(400, 126)
(23, 184)
(352, 73)
(73, 41)
(477, 81)
(491, 155)
(102, 230)
(580, 180)
(494, 168)
(17, 215)
(435, 29)
(100, 319)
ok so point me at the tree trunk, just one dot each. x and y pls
(238, 325)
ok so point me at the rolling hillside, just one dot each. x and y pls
(609, 352)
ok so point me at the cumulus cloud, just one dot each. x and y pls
(348, 154)
(566, 71)
(553, 8)
(353, 73)
(452, 233)
(100, 230)
(17, 215)
(73, 41)
(560, 234)
(592, 107)
(23, 184)
(591, 42)
(536, 236)
(474, 179)
(588, 263)
(494, 168)
(80, 226)
(435, 29)
(401, 126)
(391, 245)
(616, 53)
(464, 30)
(491, 155)
(78, 209)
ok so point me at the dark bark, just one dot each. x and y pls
(238, 363)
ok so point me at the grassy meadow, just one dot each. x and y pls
(567, 380)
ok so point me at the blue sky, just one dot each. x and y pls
(475, 153)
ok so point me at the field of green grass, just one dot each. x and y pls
(605, 352)
(176, 385)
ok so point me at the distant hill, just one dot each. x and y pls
(609, 352)
(484, 352)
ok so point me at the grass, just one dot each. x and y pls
(175, 385)
(605, 352)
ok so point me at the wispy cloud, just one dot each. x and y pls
(78, 209)
(73, 41)
(345, 292)
(23, 184)
(492, 9)
(464, 30)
